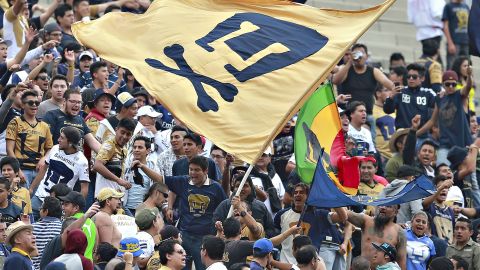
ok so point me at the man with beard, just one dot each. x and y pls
(109, 201)
(20, 237)
(381, 229)
(69, 116)
(442, 216)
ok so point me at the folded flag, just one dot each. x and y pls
(324, 193)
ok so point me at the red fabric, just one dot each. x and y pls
(77, 243)
(86, 149)
(338, 149)
(348, 171)
(380, 180)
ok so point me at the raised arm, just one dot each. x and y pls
(430, 199)
(47, 59)
(383, 80)
(50, 10)
(356, 219)
(342, 73)
(30, 34)
(470, 160)
(468, 85)
(156, 177)
(339, 215)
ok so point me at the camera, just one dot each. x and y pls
(357, 55)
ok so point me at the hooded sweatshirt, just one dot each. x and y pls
(74, 250)
(389, 266)
(406, 210)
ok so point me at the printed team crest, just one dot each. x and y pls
(265, 44)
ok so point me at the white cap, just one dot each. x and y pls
(148, 111)
(85, 53)
(268, 151)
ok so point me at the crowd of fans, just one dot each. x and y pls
(97, 174)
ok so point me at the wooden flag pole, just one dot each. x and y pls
(240, 187)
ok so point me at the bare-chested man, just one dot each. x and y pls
(380, 229)
(109, 201)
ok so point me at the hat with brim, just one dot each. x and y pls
(456, 156)
(148, 110)
(6, 42)
(130, 244)
(125, 99)
(393, 140)
(74, 197)
(15, 228)
(107, 193)
(388, 249)
(100, 93)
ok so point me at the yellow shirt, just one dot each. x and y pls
(248, 234)
(22, 196)
(372, 191)
(31, 142)
(471, 96)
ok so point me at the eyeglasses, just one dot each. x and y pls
(412, 76)
(217, 157)
(43, 78)
(75, 102)
(32, 103)
(450, 84)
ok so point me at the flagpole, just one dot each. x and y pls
(311, 184)
(240, 187)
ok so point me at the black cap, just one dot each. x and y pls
(75, 198)
(389, 250)
(456, 156)
(441, 263)
(407, 170)
(100, 92)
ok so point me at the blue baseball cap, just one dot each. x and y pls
(130, 244)
(388, 249)
(263, 246)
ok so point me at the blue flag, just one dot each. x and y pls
(324, 193)
(474, 28)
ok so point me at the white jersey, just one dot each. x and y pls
(63, 168)
(363, 138)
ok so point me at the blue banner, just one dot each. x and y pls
(324, 193)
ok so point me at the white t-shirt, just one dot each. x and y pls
(277, 183)
(146, 244)
(363, 138)
(217, 266)
(63, 168)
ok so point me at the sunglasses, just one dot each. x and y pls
(43, 78)
(31, 103)
(412, 76)
(450, 84)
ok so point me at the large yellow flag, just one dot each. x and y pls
(232, 70)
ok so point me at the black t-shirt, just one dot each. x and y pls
(10, 214)
(237, 251)
(361, 87)
(57, 120)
